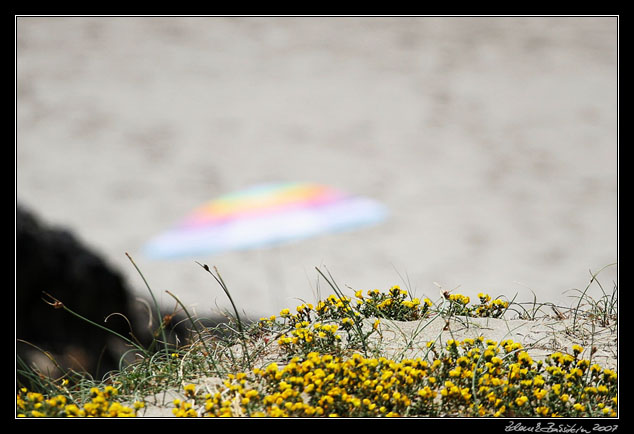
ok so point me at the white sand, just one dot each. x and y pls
(493, 141)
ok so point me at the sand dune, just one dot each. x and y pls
(492, 141)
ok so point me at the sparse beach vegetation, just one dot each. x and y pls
(359, 353)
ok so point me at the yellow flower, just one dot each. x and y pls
(500, 412)
(468, 342)
(491, 397)
(543, 411)
(35, 397)
(609, 374)
(602, 389)
(463, 299)
(466, 395)
(579, 407)
(538, 381)
(483, 296)
(190, 390)
(72, 410)
(524, 358)
(110, 391)
(58, 401)
(455, 372)
(426, 392)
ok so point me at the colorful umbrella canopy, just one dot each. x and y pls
(264, 215)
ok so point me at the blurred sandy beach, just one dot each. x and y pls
(492, 142)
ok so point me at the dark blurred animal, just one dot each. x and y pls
(55, 261)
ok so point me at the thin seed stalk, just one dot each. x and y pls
(340, 294)
(158, 309)
(57, 304)
(222, 284)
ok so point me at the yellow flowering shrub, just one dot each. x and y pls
(470, 378)
(101, 404)
(321, 376)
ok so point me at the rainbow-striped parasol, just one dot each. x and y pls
(264, 215)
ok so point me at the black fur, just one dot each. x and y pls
(55, 261)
